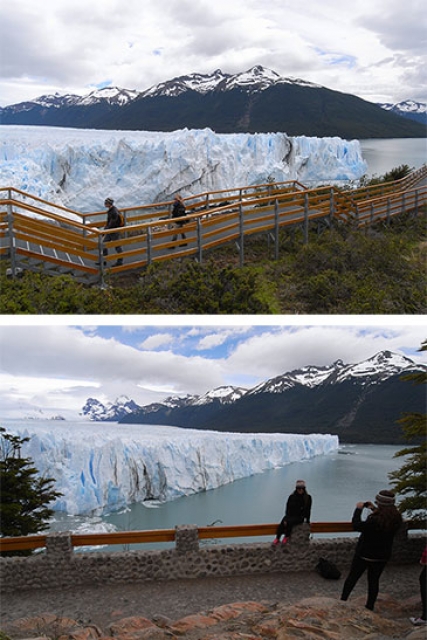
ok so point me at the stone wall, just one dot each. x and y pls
(60, 567)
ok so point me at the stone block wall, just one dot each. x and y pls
(59, 567)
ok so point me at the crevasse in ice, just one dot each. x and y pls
(103, 467)
(78, 168)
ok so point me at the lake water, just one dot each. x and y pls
(387, 154)
(336, 482)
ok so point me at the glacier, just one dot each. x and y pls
(102, 468)
(78, 168)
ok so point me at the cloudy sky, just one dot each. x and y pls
(56, 367)
(375, 50)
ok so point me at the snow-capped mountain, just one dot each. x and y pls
(222, 395)
(254, 80)
(360, 402)
(110, 412)
(109, 95)
(408, 109)
(258, 100)
(310, 376)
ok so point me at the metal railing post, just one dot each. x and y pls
(416, 203)
(306, 218)
(242, 236)
(101, 259)
(199, 240)
(388, 211)
(276, 229)
(332, 207)
(149, 245)
(12, 249)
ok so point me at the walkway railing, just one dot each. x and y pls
(42, 236)
(21, 543)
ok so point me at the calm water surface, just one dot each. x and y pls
(384, 155)
(336, 482)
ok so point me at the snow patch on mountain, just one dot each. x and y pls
(407, 106)
(225, 395)
(110, 412)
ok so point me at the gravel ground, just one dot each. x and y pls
(175, 599)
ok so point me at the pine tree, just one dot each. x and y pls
(410, 480)
(24, 495)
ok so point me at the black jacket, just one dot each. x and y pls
(298, 506)
(178, 210)
(375, 543)
(113, 218)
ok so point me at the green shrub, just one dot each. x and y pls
(381, 270)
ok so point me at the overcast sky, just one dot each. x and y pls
(375, 50)
(57, 367)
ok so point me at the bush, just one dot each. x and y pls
(339, 272)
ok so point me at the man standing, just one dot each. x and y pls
(113, 222)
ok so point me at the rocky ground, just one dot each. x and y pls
(275, 606)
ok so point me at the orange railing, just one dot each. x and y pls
(38, 235)
(20, 543)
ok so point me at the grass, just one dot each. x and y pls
(378, 271)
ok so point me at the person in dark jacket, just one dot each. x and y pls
(298, 510)
(113, 222)
(422, 620)
(178, 211)
(374, 545)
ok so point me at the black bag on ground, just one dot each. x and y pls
(328, 569)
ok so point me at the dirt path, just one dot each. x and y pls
(175, 599)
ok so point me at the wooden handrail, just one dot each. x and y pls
(64, 244)
(20, 543)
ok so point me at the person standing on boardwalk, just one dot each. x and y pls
(374, 546)
(178, 211)
(298, 510)
(114, 221)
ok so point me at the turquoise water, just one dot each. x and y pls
(336, 482)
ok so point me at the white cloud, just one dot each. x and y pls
(157, 340)
(73, 46)
(59, 367)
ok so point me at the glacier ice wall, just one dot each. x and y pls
(101, 468)
(78, 168)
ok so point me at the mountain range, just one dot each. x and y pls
(256, 101)
(361, 403)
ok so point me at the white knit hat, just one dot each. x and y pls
(385, 498)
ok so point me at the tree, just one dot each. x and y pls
(25, 495)
(410, 480)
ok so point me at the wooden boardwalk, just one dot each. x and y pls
(41, 236)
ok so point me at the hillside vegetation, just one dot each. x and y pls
(379, 271)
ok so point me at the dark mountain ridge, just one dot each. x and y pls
(360, 403)
(256, 101)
